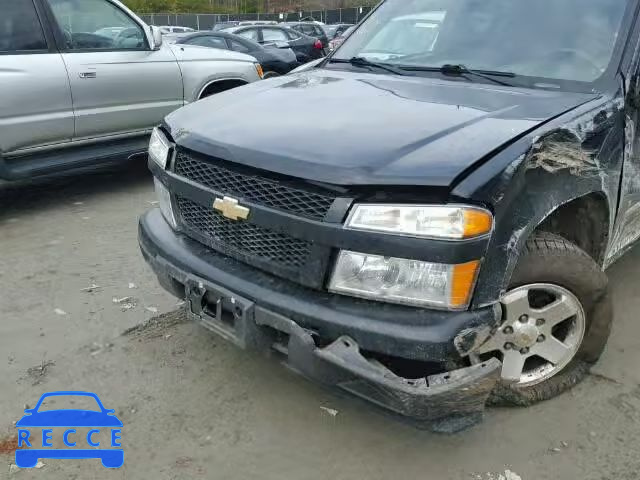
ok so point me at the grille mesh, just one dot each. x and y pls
(260, 190)
(240, 239)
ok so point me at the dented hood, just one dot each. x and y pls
(351, 128)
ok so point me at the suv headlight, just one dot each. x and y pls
(159, 148)
(406, 281)
(164, 202)
(437, 221)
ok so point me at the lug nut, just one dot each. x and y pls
(541, 338)
(508, 346)
(524, 318)
(524, 351)
(540, 322)
(508, 330)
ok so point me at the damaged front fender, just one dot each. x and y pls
(543, 181)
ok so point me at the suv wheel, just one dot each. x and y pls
(556, 321)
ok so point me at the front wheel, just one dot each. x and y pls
(270, 75)
(556, 321)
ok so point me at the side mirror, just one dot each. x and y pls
(156, 38)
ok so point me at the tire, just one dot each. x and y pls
(550, 259)
(271, 74)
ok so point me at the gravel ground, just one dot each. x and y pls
(194, 406)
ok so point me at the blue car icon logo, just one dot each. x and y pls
(32, 447)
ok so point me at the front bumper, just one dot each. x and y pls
(256, 310)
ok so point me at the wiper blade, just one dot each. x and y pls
(363, 62)
(486, 74)
(462, 70)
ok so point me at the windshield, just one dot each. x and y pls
(554, 39)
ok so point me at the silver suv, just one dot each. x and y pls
(85, 81)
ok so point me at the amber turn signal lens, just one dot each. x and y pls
(476, 222)
(259, 70)
(463, 280)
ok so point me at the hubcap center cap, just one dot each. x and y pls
(525, 335)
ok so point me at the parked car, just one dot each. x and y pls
(337, 41)
(336, 30)
(310, 29)
(312, 20)
(274, 61)
(171, 29)
(420, 30)
(243, 23)
(88, 80)
(306, 48)
(446, 238)
(111, 32)
(223, 25)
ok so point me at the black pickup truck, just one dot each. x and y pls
(442, 240)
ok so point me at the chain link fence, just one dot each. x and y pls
(206, 21)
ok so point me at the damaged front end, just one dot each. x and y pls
(447, 402)
(408, 361)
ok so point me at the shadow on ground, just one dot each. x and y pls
(43, 193)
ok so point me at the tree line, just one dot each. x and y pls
(239, 6)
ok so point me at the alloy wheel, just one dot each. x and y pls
(543, 327)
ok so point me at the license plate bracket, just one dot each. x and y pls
(222, 311)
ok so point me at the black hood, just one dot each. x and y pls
(351, 128)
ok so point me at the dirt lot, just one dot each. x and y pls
(196, 407)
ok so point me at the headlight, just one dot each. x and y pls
(159, 148)
(164, 201)
(438, 221)
(399, 280)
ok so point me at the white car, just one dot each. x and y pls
(169, 29)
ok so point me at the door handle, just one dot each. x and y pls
(87, 75)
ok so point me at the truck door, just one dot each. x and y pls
(35, 99)
(119, 84)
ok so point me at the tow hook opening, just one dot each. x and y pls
(221, 309)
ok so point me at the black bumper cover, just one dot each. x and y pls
(256, 311)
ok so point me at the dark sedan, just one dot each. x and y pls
(310, 29)
(275, 61)
(339, 39)
(306, 48)
(336, 30)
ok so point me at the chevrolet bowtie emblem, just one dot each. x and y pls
(230, 209)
